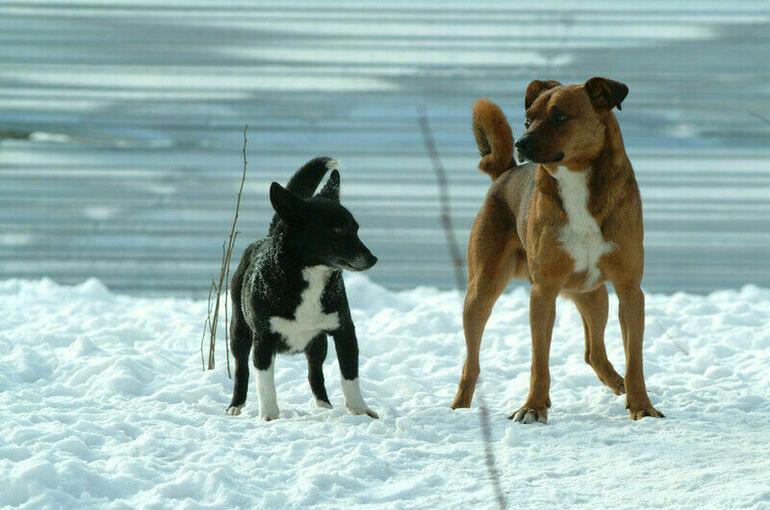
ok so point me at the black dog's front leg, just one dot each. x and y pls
(264, 362)
(346, 344)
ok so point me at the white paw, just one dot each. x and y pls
(323, 404)
(234, 410)
(363, 410)
(354, 401)
(269, 413)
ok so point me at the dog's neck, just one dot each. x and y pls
(612, 159)
(287, 254)
(606, 174)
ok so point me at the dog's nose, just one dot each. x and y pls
(524, 144)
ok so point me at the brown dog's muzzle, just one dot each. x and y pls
(528, 149)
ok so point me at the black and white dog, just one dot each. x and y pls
(288, 292)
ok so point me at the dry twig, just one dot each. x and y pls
(759, 116)
(212, 320)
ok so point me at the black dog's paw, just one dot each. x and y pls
(322, 404)
(368, 412)
(234, 410)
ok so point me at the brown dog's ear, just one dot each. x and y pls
(605, 94)
(536, 88)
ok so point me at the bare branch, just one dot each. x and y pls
(759, 116)
(207, 322)
(224, 273)
(673, 340)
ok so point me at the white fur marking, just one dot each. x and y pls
(354, 401)
(581, 236)
(234, 410)
(309, 317)
(268, 405)
(322, 404)
(333, 164)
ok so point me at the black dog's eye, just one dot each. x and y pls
(559, 118)
(338, 229)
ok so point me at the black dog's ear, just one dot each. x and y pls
(536, 88)
(605, 93)
(288, 205)
(331, 189)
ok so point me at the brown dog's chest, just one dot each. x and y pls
(569, 239)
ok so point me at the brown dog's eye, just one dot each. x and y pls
(526, 122)
(559, 118)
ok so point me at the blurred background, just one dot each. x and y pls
(121, 127)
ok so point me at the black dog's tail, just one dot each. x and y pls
(305, 180)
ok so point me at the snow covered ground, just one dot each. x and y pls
(103, 403)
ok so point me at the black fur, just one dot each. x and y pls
(306, 231)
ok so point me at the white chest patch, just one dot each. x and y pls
(581, 236)
(309, 317)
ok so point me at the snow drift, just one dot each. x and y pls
(103, 403)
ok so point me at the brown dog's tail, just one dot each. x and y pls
(494, 138)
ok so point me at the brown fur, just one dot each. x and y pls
(493, 137)
(516, 234)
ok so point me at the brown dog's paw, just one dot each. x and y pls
(527, 415)
(618, 386)
(462, 399)
(460, 402)
(610, 378)
(637, 413)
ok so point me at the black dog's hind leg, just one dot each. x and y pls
(240, 340)
(316, 354)
(240, 345)
(346, 344)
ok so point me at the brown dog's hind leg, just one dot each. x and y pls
(631, 300)
(493, 259)
(593, 309)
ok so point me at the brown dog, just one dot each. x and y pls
(568, 222)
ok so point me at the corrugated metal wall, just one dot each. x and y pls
(120, 127)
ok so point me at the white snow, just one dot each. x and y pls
(103, 403)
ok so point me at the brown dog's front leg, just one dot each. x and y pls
(542, 313)
(631, 313)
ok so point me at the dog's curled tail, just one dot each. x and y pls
(305, 180)
(493, 137)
